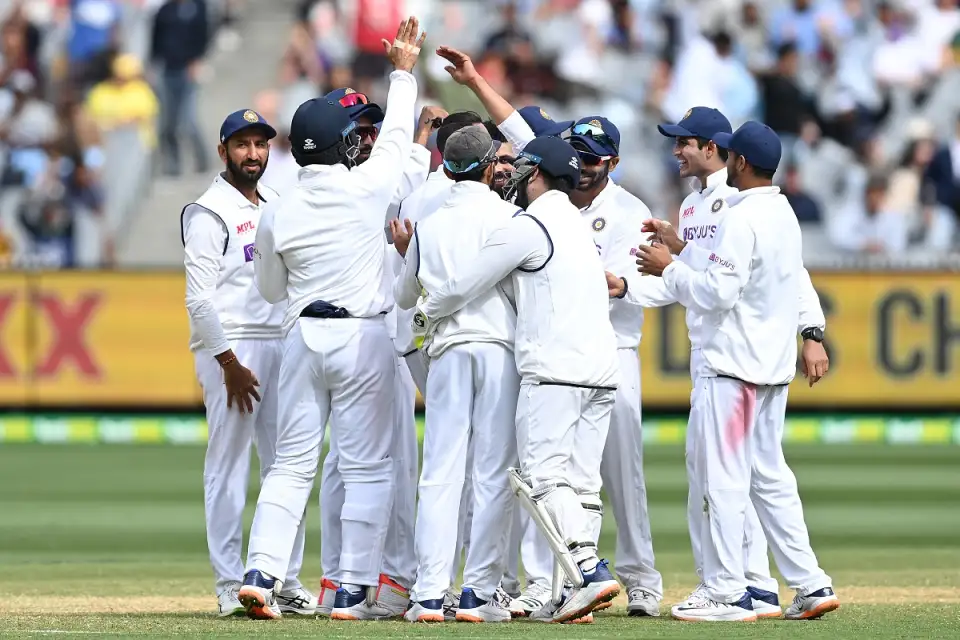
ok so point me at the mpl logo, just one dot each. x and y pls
(687, 212)
(246, 227)
(248, 252)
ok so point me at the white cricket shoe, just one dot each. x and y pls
(258, 595)
(297, 601)
(503, 597)
(766, 604)
(813, 605)
(473, 609)
(328, 594)
(428, 611)
(548, 610)
(599, 586)
(392, 596)
(642, 603)
(385, 601)
(532, 599)
(511, 588)
(706, 609)
(699, 593)
(451, 602)
(227, 603)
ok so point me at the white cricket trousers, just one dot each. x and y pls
(344, 370)
(472, 396)
(622, 473)
(399, 559)
(756, 562)
(741, 426)
(561, 431)
(226, 466)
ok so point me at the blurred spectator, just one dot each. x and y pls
(786, 108)
(28, 127)
(125, 100)
(181, 36)
(94, 26)
(808, 23)
(319, 50)
(906, 191)
(865, 226)
(373, 21)
(16, 54)
(804, 206)
(944, 173)
(751, 36)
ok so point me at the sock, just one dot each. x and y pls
(588, 565)
(352, 589)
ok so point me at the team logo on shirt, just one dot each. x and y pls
(599, 224)
(717, 205)
(251, 116)
(687, 212)
(248, 251)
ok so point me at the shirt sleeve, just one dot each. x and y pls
(648, 292)
(620, 260)
(516, 130)
(406, 286)
(811, 313)
(270, 271)
(519, 243)
(695, 256)
(718, 287)
(204, 239)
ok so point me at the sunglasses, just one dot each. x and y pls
(463, 166)
(595, 133)
(367, 131)
(353, 99)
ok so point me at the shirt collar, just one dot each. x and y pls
(603, 196)
(469, 189)
(240, 200)
(740, 196)
(714, 180)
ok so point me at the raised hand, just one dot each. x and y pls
(404, 51)
(461, 67)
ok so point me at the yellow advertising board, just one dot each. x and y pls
(105, 339)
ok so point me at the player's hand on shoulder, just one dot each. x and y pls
(401, 234)
(404, 51)
(461, 67)
(241, 386)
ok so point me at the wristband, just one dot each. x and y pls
(229, 360)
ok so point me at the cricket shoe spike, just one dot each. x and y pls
(258, 595)
(599, 586)
(328, 594)
(427, 611)
(765, 603)
(706, 609)
(473, 609)
(297, 601)
(813, 605)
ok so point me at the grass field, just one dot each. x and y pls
(108, 540)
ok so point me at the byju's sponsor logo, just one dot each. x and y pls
(248, 253)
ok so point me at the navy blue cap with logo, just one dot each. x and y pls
(319, 124)
(541, 123)
(698, 122)
(554, 156)
(245, 119)
(356, 104)
(596, 135)
(756, 142)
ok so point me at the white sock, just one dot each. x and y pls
(352, 589)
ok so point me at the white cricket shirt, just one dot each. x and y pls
(222, 302)
(325, 240)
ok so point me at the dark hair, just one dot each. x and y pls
(877, 182)
(474, 175)
(786, 49)
(723, 153)
(563, 184)
(494, 131)
(766, 174)
(454, 122)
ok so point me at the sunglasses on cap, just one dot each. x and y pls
(353, 99)
(595, 133)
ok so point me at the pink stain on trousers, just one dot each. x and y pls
(741, 418)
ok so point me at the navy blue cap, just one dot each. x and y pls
(541, 123)
(319, 124)
(370, 109)
(756, 142)
(598, 135)
(699, 122)
(244, 119)
(554, 156)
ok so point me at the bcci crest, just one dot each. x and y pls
(250, 116)
(717, 205)
(348, 91)
(599, 224)
(596, 123)
(545, 115)
(687, 114)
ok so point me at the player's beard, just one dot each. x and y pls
(364, 155)
(499, 186)
(523, 198)
(595, 179)
(732, 175)
(242, 177)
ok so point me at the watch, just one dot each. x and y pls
(812, 333)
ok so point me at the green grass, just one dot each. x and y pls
(108, 540)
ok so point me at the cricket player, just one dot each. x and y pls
(746, 291)
(472, 388)
(399, 560)
(236, 340)
(566, 356)
(698, 156)
(325, 253)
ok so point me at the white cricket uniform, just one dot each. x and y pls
(616, 219)
(700, 214)
(227, 312)
(325, 243)
(565, 353)
(399, 559)
(745, 292)
(473, 386)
